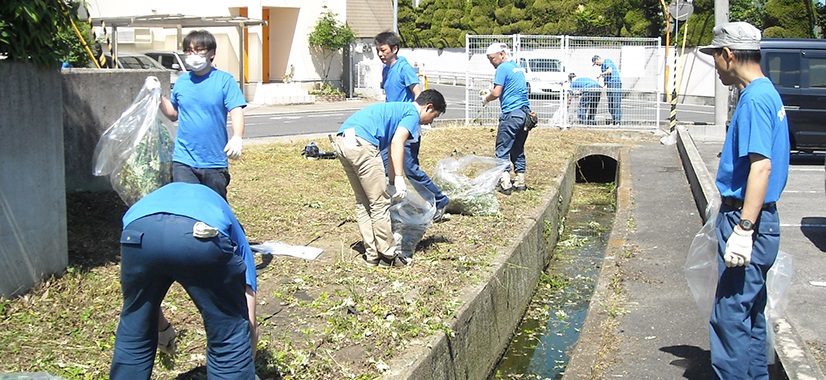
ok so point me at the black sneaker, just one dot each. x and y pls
(520, 188)
(370, 262)
(503, 190)
(397, 261)
(440, 213)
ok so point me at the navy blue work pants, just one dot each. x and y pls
(511, 137)
(214, 178)
(738, 320)
(156, 251)
(417, 177)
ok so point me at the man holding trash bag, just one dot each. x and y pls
(186, 233)
(200, 101)
(358, 145)
(401, 84)
(753, 170)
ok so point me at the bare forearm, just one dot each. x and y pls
(756, 185)
(237, 117)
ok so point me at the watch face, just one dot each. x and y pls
(746, 224)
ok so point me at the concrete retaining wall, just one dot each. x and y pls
(92, 100)
(491, 311)
(32, 191)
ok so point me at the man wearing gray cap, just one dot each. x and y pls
(754, 166)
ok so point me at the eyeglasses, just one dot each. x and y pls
(198, 51)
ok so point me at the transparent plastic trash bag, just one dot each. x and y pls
(778, 282)
(701, 263)
(470, 183)
(135, 152)
(411, 217)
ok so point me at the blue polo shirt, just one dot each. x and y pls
(198, 202)
(758, 126)
(615, 74)
(514, 87)
(378, 123)
(396, 80)
(583, 84)
(203, 103)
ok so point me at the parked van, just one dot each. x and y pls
(797, 67)
(545, 76)
(174, 61)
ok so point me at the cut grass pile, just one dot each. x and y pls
(331, 318)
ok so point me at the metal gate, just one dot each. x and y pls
(549, 60)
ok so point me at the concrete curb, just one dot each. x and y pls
(490, 312)
(792, 352)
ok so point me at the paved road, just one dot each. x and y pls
(276, 121)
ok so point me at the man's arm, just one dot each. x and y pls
(167, 109)
(416, 89)
(237, 116)
(756, 185)
(495, 93)
(396, 154)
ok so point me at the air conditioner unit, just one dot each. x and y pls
(128, 35)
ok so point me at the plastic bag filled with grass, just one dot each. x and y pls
(470, 183)
(411, 217)
(135, 152)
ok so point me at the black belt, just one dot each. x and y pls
(738, 203)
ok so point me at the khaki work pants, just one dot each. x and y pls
(365, 169)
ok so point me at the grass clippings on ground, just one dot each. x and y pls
(331, 318)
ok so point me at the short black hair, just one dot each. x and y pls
(200, 38)
(571, 77)
(433, 97)
(388, 38)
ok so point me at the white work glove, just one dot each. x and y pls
(484, 95)
(233, 148)
(399, 188)
(738, 248)
(152, 83)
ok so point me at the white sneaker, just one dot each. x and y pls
(166, 340)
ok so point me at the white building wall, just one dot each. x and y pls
(307, 66)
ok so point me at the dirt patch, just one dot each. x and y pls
(330, 318)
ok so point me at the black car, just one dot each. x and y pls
(797, 67)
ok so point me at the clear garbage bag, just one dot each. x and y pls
(701, 263)
(136, 150)
(411, 217)
(778, 282)
(470, 183)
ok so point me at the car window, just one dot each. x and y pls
(817, 72)
(129, 63)
(165, 60)
(784, 69)
(545, 65)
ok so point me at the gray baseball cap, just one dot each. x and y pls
(735, 36)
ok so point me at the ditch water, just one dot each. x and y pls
(554, 318)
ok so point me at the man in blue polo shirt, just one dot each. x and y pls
(589, 92)
(754, 166)
(610, 73)
(200, 102)
(401, 84)
(359, 143)
(510, 87)
(186, 233)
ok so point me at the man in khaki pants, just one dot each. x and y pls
(359, 143)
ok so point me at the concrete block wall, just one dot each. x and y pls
(32, 190)
(93, 99)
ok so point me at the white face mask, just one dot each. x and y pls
(197, 61)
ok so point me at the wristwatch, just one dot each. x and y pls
(746, 225)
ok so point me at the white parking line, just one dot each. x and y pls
(803, 225)
(800, 192)
(285, 117)
(795, 169)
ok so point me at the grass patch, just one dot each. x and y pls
(331, 318)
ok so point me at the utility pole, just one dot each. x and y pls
(721, 91)
(396, 16)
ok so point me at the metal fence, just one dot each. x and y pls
(548, 60)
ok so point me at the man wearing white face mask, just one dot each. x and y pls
(200, 102)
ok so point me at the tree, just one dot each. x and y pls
(30, 30)
(330, 36)
(789, 18)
